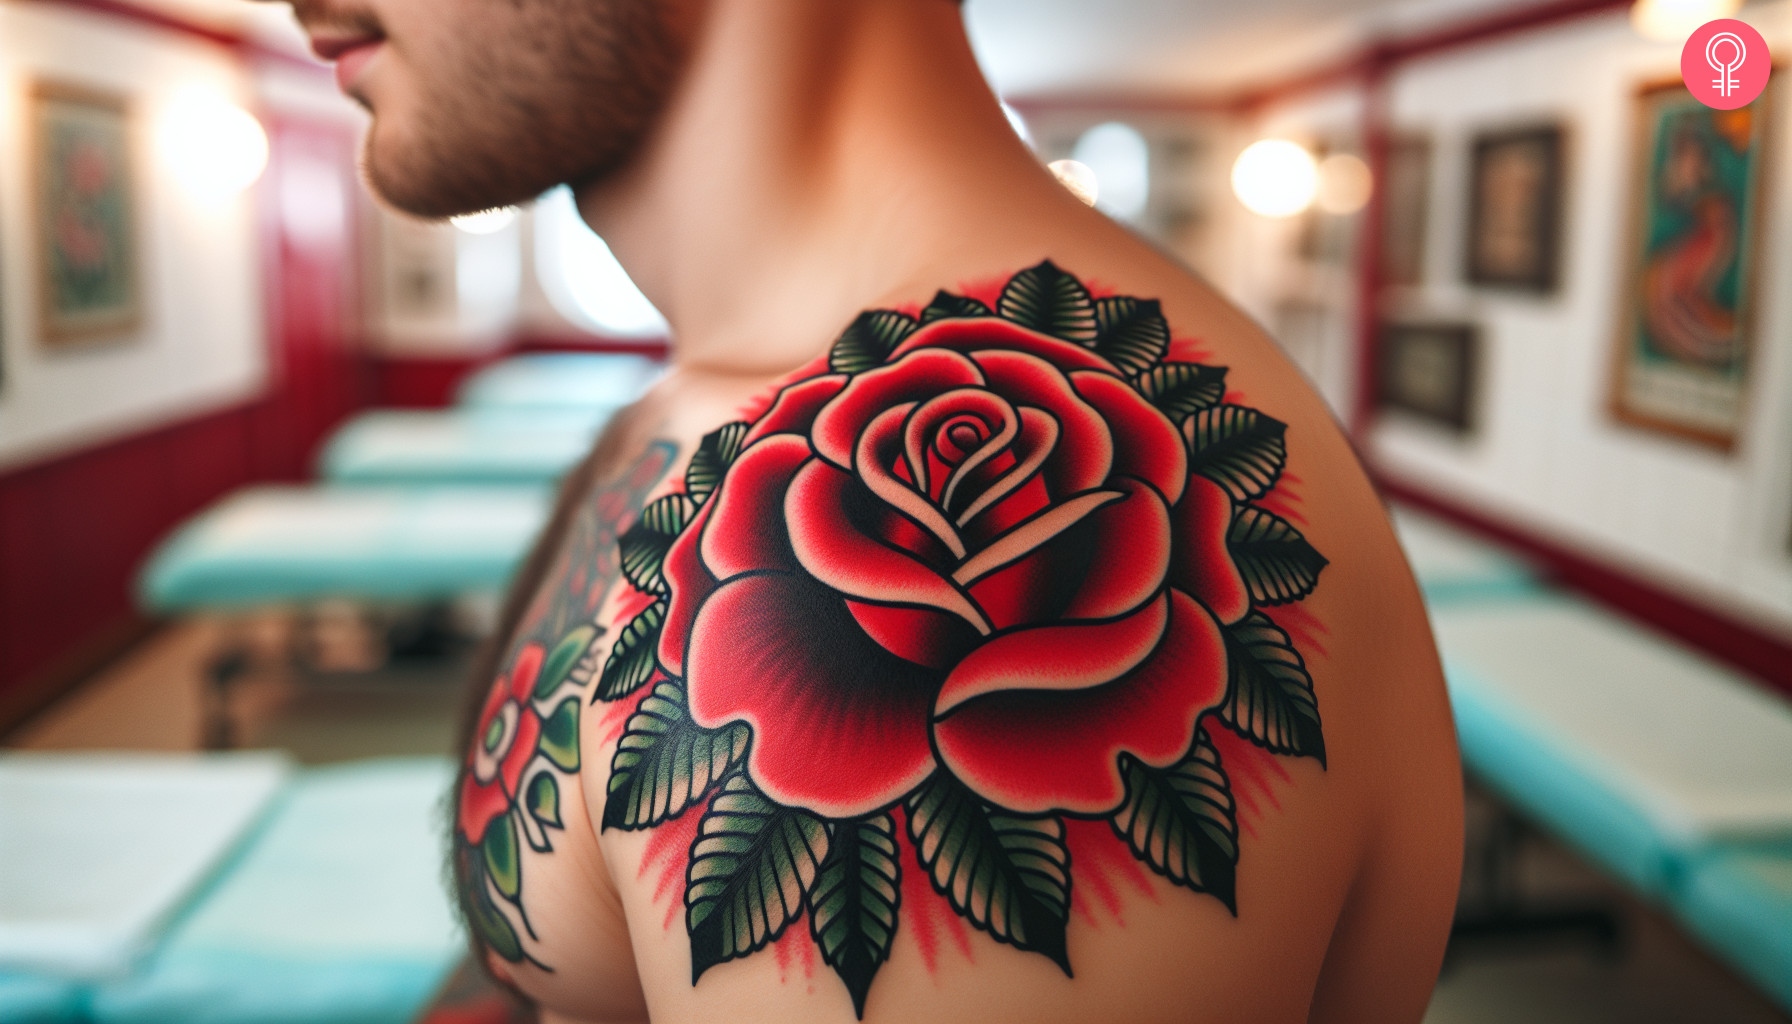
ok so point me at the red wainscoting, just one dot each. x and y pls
(74, 529)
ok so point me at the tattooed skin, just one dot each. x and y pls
(996, 564)
(527, 731)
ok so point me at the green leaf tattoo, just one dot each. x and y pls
(1240, 449)
(1051, 302)
(1007, 874)
(665, 762)
(1131, 333)
(946, 305)
(544, 799)
(1269, 695)
(645, 544)
(714, 454)
(563, 659)
(1277, 563)
(560, 735)
(750, 866)
(869, 340)
(1182, 822)
(852, 908)
(631, 661)
(1180, 390)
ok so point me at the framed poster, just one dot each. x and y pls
(1686, 318)
(1429, 371)
(1515, 208)
(1405, 209)
(90, 284)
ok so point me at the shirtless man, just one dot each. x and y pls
(982, 621)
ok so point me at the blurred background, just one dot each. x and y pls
(268, 450)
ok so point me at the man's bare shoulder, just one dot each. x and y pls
(982, 649)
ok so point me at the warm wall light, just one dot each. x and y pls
(1078, 178)
(214, 147)
(1344, 184)
(1671, 21)
(1275, 178)
(485, 222)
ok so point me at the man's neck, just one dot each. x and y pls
(821, 157)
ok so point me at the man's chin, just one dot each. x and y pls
(424, 191)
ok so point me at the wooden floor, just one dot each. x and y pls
(156, 699)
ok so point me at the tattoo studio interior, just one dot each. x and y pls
(275, 746)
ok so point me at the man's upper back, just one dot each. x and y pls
(1019, 658)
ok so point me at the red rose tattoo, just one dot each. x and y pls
(996, 566)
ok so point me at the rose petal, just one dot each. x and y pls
(524, 671)
(1128, 550)
(691, 582)
(973, 334)
(915, 378)
(793, 411)
(837, 554)
(746, 529)
(925, 636)
(479, 805)
(1057, 657)
(1200, 562)
(839, 725)
(1045, 751)
(1084, 453)
(1146, 444)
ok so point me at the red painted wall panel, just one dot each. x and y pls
(75, 529)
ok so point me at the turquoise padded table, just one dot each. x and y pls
(336, 913)
(284, 544)
(1640, 753)
(460, 446)
(559, 380)
(332, 909)
(1452, 564)
(1738, 900)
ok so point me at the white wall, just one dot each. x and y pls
(1256, 262)
(201, 345)
(1546, 454)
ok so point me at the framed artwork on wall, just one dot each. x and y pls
(1405, 210)
(1515, 208)
(1428, 370)
(90, 281)
(1686, 317)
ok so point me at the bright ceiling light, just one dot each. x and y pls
(485, 222)
(1121, 160)
(1671, 21)
(214, 147)
(1275, 178)
(1079, 178)
(1344, 184)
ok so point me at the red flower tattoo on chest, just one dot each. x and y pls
(994, 568)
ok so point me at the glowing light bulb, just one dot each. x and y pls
(1275, 178)
(1079, 178)
(1671, 21)
(485, 222)
(1344, 184)
(215, 148)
